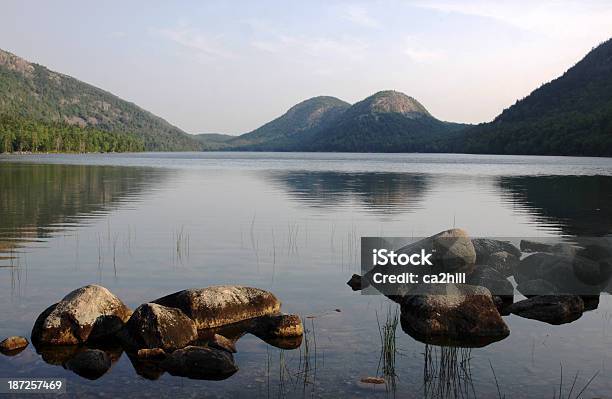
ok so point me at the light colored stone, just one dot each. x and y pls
(220, 305)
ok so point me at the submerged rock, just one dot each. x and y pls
(156, 326)
(219, 305)
(486, 247)
(372, 380)
(552, 309)
(91, 363)
(86, 314)
(462, 315)
(13, 345)
(200, 363)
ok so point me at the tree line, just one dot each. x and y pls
(18, 134)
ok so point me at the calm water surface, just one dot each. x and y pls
(291, 223)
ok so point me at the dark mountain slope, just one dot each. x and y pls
(571, 115)
(31, 91)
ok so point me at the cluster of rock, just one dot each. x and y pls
(190, 333)
(559, 281)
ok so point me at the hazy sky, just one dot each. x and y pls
(228, 67)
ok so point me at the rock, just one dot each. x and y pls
(357, 283)
(536, 287)
(533, 246)
(87, 314)
(278, 326)
(153, 354)
(494, 281)
(156, 326)
(200, 363)
(91, 364)
(591, 302)
(452, 251)
(216, 306)
(13, 345)
(486, 247)
(504, 262)
(552, 309)
(372, 380)
(564, 249)
(220, 342)
(556, 270)
(593, 265)
(461, 315)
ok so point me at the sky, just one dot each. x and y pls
(229, 67)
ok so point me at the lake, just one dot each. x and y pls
(146, 225)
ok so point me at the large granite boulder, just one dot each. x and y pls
(219, 305)
(461, 315)
(86, 314)
(156, 326)
(552, 309)
(451, 251)
(200, 363)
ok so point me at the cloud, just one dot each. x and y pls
(359, 15)
(417, 52)
(117, 35)
(560, 19)
(317, 47)
(202, 44)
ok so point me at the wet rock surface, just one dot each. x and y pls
(200, 363)
(552, 309)
(156, 326)
(219, 305)
(86, 314)
(13, 345)
(463, 314)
